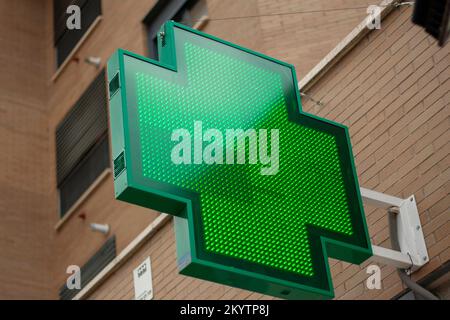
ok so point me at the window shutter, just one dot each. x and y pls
(81, 128)
(94, 265)
(84, 174)
(82, 150)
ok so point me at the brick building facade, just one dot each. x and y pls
(391, 88)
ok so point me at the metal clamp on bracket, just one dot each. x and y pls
(413, 254)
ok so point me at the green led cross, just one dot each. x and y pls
(269, 233)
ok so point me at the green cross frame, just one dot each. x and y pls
(270, 234)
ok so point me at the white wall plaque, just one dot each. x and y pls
(143, 286)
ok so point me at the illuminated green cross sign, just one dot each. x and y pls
(261, 209)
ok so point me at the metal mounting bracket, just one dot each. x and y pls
(413, 254)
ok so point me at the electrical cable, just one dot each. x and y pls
(285, 13)
(395, 4)
(411, 284)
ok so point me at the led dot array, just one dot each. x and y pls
(245, 215)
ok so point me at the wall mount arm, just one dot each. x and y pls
(413, 252)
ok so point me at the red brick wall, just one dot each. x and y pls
(25, 239)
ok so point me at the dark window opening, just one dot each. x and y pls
(187, 12)
(65, 40)
(82, 145)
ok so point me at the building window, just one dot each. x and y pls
(187, 12)
(90, 269)
(64, 39)
(82, 147)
